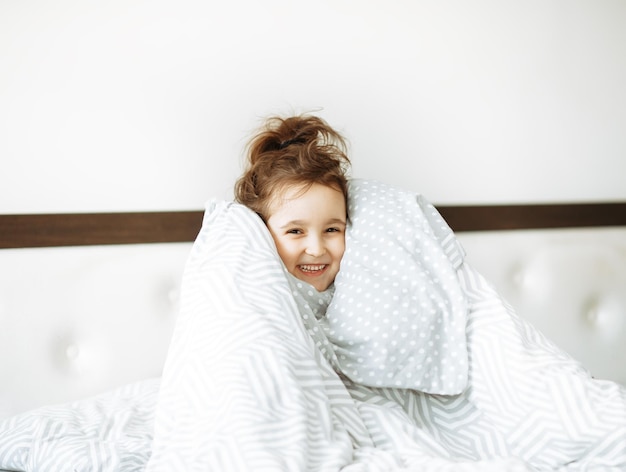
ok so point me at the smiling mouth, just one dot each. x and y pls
(312, 269)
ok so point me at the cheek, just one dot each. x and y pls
(286, 250)
(339, 248)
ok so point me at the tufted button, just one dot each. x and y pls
(591, 312)
(592, 316)
(173, 295)
(606, 314)
(72, 352)
(68, 355)
(517, 276)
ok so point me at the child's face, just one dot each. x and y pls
(309, 231)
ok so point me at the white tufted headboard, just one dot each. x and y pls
(97, 310)
(77, 321)
(570, 283)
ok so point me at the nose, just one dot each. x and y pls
(315, 246)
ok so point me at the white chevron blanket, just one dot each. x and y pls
(417, 364)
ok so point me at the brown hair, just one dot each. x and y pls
(299, 150)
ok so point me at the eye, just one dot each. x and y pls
(294, 231)
(333, 230)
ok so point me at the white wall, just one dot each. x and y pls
(146, 104)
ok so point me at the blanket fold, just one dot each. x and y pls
(418, 363)
(398, 315)
(244, 386)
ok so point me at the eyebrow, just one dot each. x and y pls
(332, 221)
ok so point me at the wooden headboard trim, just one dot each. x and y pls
(534, 216)
(80, 229)
(83, 229)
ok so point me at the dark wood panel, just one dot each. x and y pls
(79, 229)
(536, 216)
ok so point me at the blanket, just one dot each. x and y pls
(412, 362)
(112, 431)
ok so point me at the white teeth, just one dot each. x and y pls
(312, 268)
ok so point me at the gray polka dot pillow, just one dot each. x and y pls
(398, 315)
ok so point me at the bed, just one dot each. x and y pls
(89, 303)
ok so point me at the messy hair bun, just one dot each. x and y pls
(299, 150)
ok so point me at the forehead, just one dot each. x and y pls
(304, 200)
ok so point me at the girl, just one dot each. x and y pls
(296, 182)
(408, 359)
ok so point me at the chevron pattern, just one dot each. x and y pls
(273, 396)
(526, 400)
(244, 386)
(109, 432)
(252, 383)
